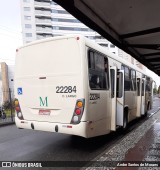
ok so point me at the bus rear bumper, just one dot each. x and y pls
(79, 129)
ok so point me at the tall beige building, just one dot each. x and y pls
(130, 59)
(4, 83)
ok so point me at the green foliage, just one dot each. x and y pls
(158, 90)
(8, 105)
(155, 91)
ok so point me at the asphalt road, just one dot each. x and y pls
(28, 145)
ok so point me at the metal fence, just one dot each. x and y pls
(7, 110)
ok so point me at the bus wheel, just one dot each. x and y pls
(148, 106)
(125, 120)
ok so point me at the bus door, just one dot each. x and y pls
(120, 98)
(117, 97)
(152, 85)
(143, 96)
(113, 78)
(138, 97)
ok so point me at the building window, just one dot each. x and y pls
(104, 45)
(84, 29)
(56, 28)
(112, 46)
(26, 0)
(59, 11)
(53, 3)
(27, 17)
(77, 29)
(28, 34)
(66, 28)
(27, 8)
(28, 26)
(65, 20)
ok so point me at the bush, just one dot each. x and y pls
(8, 105)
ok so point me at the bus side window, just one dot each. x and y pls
(98, 71)
(126, 78)
(94, 82)
(119, 85)
(112, 72)
(91, 62)
(148, 84)
(142, 88)
(106, 69)
(138, 86)
(133, 80)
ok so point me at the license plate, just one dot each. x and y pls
(44, 112)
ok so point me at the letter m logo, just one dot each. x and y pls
(43, 102)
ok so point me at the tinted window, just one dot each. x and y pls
(138, 86)
(98, 71)
(133, 80)
(127, 83)
(148, 84)
(112, 73)
(142, 88)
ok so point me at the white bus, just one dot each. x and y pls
(71, 85)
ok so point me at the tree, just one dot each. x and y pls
(155, 91)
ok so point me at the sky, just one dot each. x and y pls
(11, 33)
(10, 30)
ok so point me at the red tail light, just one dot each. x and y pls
(18, 109)
(78, 111)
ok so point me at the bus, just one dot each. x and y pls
(71, 85)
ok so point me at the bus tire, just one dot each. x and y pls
(125, 120)
(148, 106)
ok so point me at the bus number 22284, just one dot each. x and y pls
(65, 89)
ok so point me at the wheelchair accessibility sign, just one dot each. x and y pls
(19, 91)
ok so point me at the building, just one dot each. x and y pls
(130, 59)
(4, 85)
(6, 82)
(44, 18)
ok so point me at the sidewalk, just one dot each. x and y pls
(142, 144)
(6, 121)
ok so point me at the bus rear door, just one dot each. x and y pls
(139, 97)
(113, 74)
(143, 97)
(117, 97)
(120, 98)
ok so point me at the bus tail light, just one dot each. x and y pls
(78, 111)
(18, 109)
